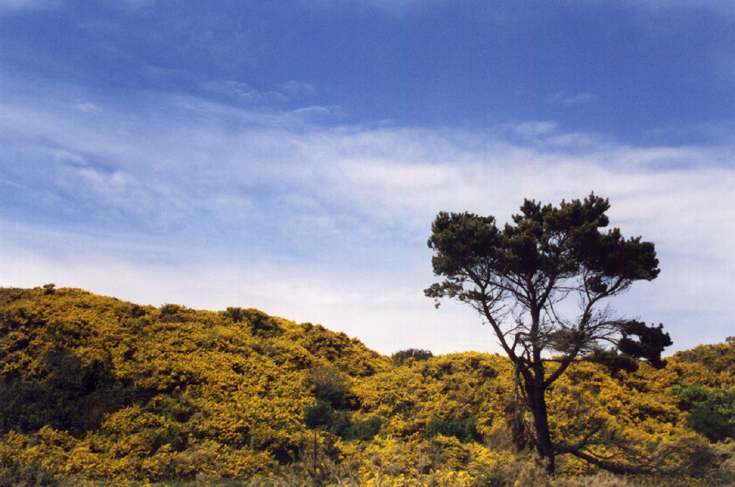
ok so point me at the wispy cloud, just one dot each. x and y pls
(19, 5)
(533, 129)
(328, 223)
(244, 92)
(574, 99)
(87, 107)
(298, 88)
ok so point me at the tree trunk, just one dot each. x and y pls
(537, 405)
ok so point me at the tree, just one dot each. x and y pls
(522, 280)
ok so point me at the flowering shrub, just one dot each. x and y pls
(94, 389)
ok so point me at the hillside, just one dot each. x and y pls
(94, 388)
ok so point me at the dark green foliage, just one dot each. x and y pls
(261, 324)
(66, 395)
(649, 345)
(319, 415)
(711, 411)
(172, 313)
(462, 429)
(333, 402)
(485, 370)
(363, 430)
(341, 421)
(137, 311)
(333, 396)
(613, 360)
(411, 355)
(330, 385)
(557, 241)
(235, 314)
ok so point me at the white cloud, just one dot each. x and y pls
(328, 224)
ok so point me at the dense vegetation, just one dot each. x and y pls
(94, 389)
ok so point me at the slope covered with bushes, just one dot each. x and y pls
(94, 388)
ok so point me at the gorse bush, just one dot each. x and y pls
(94, 389)
(410, 355)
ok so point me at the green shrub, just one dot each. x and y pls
(329, 385)
(172, 313)
(411, 355)
(318, 415)
(711, 411)
(363, 430)
(462, 429)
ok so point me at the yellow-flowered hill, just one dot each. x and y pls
(93, 388)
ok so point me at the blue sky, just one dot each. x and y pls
(291, 155)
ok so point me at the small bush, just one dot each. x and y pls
(462, 429)
(171, 313)
(322, 416)
(318, 415)
(363, 430)
(330, 386)
(411, 355)
(235, 314)
(261, 324)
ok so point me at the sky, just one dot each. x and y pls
(290, 155)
